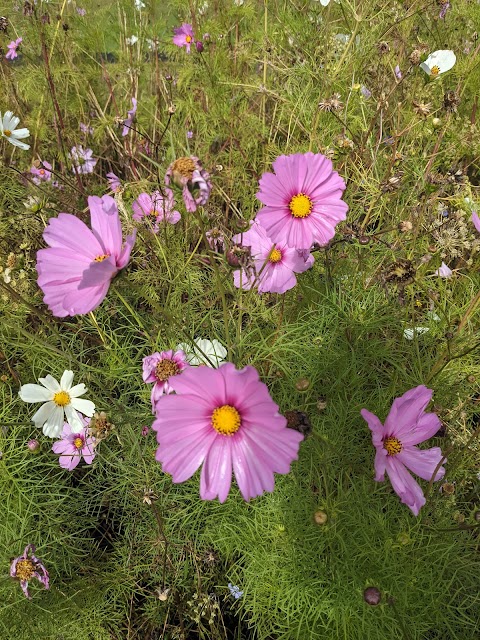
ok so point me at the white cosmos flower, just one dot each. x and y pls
(131, 41)
(139, 5)
(203, 349)
(8, 126)
(324, 3)
(59, 399)
(438, 62)
(409, 334)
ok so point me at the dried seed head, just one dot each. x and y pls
(422, 109)
(302, 384)
(405, 225)
(99, 427)
(451, 100)
(448, 488)
(415, 57)
(299, 421)
(238, 256)
(383, 47)
(3, 23)
(331, 104)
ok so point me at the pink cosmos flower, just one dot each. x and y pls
(76, 270)
(41, 173)
(73, 446)
(275, 265)
(476, 221)
(160, 208)
(28, 566)
(160, 368)
(302, 200)
(113, 181)
(225, 419)
(444, 271)
(129, 121)
(184, 36)
(12, 49)
(82, 160)
(191, 177)
(406, 425)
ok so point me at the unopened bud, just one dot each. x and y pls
(372, 596)
(320, 517)
(302, 384)
(33, 445)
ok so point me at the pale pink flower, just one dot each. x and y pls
(76, 270)
(476, 221)
(303, 200)
(189, 174)
(82, 160)
(113, 181)
(129, 121)
(225, 420)
(156, 207)
(160, 368)
(12, 49)
(74, 446)
(275, 264)
(406, 425)
(28, 566)
(41, 173)
(184, 36)
(444, 271)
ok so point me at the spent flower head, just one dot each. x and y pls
(28, 566)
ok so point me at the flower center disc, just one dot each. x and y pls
(165, 369)
(184, 166)
(24, 569)
(435, 70)
(226, 420)
(102, 257)
(61, 398)
(275, 255)
(300, 206)
(78, 443)
(188, 38)
(7, 133)
(392, 446)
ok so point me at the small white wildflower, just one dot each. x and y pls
(58, 399)
(139, 5)
(6, 275)
(131, 41)
(439, 62)
(8, 129)
(409, 334)
(444, 271)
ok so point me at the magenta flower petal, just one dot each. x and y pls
(407, 424)
(302, 200)
(408, 489)
(422, 462)
(76, 270)
(225, 419)
(476, 221)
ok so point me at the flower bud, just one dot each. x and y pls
(320, 517)
(372, 596)
(33, 445)
(302, 384)
(199, 46)
(437, 123)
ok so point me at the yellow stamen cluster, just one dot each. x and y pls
(392, 446)
(7, 133)
(434, 71)
(226, 420)
(184, 166)
(61, 398)
(275, 255)
(24, 569)
(165, 369)
(188, 38)
(301, 206)
(101, 258)
(78, 443)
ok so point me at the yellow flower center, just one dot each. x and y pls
(61, 398)
(184, 166)
(41, 172)
(165, 369)
(188, 38)
(300, 206)
(24, 569)
(78, 443)
(102, 257)
(226, 420)
(434, 71)
(392, 445)
(275, 255)
(7, 133)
